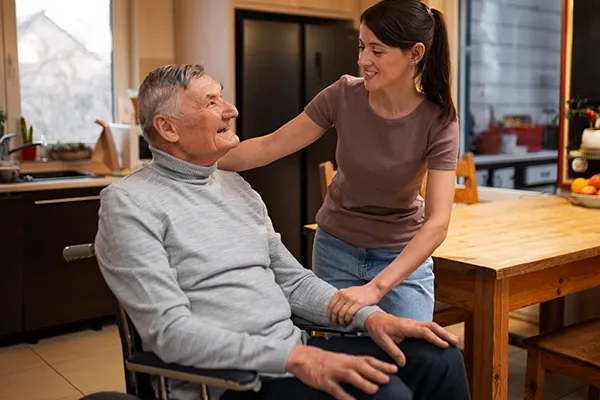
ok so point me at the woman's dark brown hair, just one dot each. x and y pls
(402, 24)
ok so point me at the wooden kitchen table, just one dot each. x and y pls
(506, 255)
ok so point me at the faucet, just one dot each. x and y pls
(4, 142)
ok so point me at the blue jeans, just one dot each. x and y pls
(344, 265)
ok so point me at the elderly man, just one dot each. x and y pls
(191, 254)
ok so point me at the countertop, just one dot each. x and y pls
(56, 184)
(551, 155)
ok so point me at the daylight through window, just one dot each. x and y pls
(65, 67)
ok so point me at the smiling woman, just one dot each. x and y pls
(376, 235)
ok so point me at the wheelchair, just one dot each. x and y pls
(141, 367)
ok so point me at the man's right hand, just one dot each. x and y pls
(325, 371)
(388, 331)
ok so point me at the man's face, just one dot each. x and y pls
(204, 124)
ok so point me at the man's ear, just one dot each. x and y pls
(165, 128)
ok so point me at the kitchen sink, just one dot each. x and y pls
(54, 175)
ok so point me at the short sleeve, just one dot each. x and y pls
(322, 109)
(442, 151)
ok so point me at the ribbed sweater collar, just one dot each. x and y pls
(179, 169)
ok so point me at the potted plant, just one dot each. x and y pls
(28, 153)
(590, 138)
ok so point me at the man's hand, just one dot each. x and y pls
(325, 371)
(346, 302)
(388, 331)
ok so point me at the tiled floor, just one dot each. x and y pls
(62, 368)
(69, 366)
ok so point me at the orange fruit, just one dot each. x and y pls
(578, 184)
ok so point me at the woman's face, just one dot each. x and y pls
(384, 66)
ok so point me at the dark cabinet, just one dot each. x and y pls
(537, 174)
(12, 238)
(57, 292)
(38, 288)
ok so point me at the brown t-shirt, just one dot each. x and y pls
(374, 200)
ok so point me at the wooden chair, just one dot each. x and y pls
(444, 314)
(465, 168)
(573, 351)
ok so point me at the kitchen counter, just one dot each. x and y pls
(516, 157)
(57, 184)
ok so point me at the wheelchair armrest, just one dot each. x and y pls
(309, 326)
(78, 251)
(148, 363)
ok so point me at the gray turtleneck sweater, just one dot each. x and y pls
(192, 256)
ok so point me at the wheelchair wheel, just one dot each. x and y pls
(109, 396)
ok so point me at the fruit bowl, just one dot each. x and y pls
(584, 200)
(585, 192)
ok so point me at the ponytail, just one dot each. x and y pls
(435, 79)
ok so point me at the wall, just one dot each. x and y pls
(515, 58)
(122, 47)
(204, 34)
(153, 35)
(450, 10)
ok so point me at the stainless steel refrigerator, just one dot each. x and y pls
(282, 62)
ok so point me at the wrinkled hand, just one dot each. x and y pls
(325, 371)
(346, 302)
(388, 331)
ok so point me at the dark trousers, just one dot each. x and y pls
(430, 373)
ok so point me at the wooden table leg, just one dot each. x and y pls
(552, 315)
(490, 339)
(468, 349)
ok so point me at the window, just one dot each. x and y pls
(510, 81)
(65, 65)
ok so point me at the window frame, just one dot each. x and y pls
(10, 92)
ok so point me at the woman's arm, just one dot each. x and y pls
(438, 207)
(257, 152)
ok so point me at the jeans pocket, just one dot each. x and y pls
(335, 260)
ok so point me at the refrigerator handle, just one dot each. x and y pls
(318, 68)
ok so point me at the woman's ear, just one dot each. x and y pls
(165, 128)
(417, 52)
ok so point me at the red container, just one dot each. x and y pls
(28, 153)
(489, 142)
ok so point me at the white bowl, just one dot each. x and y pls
(584, 200)
(590, 138)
